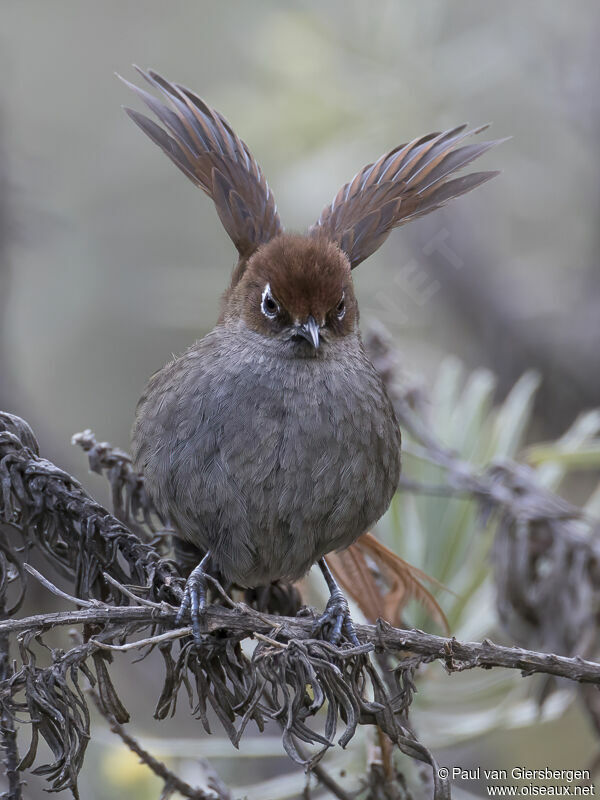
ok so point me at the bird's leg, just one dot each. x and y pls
(336, 617)
(194, 597)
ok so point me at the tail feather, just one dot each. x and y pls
(403, 582)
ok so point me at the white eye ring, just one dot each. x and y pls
(340, 309)
(269, 306)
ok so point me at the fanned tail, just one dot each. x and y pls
(403, 582)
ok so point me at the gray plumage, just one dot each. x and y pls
(268, 461)
(271, 442)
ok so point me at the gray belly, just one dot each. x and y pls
(268, 467)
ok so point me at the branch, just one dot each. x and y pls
(8, 733)
(56, 515)
(546, 551)
(112, 566)
(171, 780)
(244, 622)
(291, 681)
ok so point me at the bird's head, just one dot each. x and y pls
(298, 290)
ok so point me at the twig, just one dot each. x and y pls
(325, 778)
(58, 592)
(179, 633)
(130, 501)
(77, 534)
(51, 508)
(100, 615)
(171, 780)
(124, 590)
(8, 734)
(269, 640)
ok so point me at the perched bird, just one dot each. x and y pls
(271, 441)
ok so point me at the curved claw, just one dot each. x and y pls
(194, 598)
(336, 620)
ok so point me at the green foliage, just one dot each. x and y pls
(449, 538)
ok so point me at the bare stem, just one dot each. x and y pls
(171, 780)
(455, 655)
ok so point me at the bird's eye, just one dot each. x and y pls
(340, 309)
(269, 306)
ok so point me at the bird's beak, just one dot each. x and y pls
(310, 331)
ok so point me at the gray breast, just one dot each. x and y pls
(268, 462)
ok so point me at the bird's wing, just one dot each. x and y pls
(409, 181)
(201, 143)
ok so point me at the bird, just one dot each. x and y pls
(271, 441)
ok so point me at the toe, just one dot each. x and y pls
(349, 631)
(183, 608)
(194, 602)
(335, 623)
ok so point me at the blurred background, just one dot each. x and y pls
(110, 260)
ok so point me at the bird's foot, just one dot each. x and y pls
(194, 599)
(336, 620)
